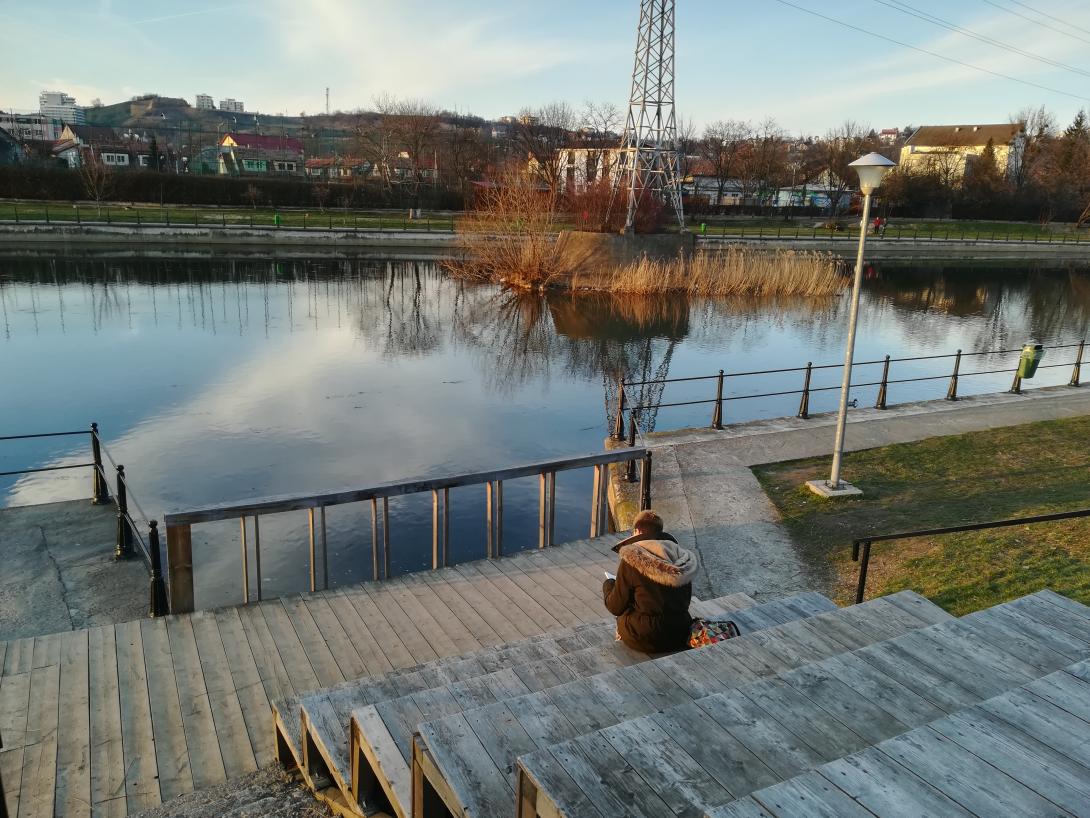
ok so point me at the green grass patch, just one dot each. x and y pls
(1037, 468)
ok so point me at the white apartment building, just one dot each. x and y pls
(58, 105)
(234, 106)
(31, 126)
(204, 102)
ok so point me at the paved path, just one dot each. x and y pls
(704, 488)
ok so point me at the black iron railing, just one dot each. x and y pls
(861, 547)
(130, 539)
(952, 376)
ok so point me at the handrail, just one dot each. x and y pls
(179, 523)
(804, 403)
(863, 544)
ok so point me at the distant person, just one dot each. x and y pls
(651, 592)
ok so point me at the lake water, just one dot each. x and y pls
(218, 379)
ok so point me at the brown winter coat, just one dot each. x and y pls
(652, 592)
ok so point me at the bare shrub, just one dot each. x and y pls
(735, 271)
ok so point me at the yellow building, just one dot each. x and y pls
(950, 150)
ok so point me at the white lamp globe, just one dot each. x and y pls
(872, 168)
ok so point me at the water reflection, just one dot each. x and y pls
(220, 379)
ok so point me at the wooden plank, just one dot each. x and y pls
(247, 682)
(1054, 616)
(965, 778)
(1054, 638)
(19, 657)
(348, 659)
(744, 808)
(270, 665)
(1003, 635)
(141, 770)
(1043, 721)
(392, 771)
(1066, 691)
(205, 759)
(541, 719)
(374, 660)
(171, 751)
(539, 586)
(549, 777)
(502, 737)
(957, 660)
(38, 785)
(925, 681)
(922, 608)
(310, 638)
(389, 642)
(301, 673)
(811, 795)
(423, 596)
(465, 764)
(502, 594)
(575, 765)
(889, 694)
(886, 788)
(465, 588)
(236, 750)
(108, 796)
(14, 703)
(382, 599)
(641, 798)
(478, 626)
(46, 651)
(828, 736)
(73, 787)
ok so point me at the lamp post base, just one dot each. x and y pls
(823, 488)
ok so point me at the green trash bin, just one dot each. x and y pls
(1030, 360)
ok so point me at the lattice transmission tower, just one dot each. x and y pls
(649, 153)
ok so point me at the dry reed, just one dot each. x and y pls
(735, 271)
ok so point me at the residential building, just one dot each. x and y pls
(233, 106)
(58, 105)
(952, 149)
(338, 167)
(89, 135)
(204, 102)
(33, 127)
(581, 168)
(888, 136)
(282, 144)
(11, 153)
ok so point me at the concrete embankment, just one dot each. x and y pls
(922, 249)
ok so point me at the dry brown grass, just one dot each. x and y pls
(736, 271)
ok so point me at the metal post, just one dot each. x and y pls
(490, 520)
(123, 549)
(717, 414)
(313, 571)
(882, 388)
(499, 518)
(618, 426)
(77, 215)
(804, 402)
(630, 472)
(645, 483)
(1077, 371)
(952, 391)
(100, 490)
(861, 588)
(245, 562)
(158, 606)
(1016, 385)
(434, 529)
(374, 539)
(596, 501)
(386, 537)
(257, 556)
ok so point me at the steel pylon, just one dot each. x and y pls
(649, 158)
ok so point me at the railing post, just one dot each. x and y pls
(1016, 384)
(245, 561)
(123, 548)
(618, 425)
(861, 588)
(881, 402)
(804, 402)
(100, 490)
(717, 414)
(1077, 371)
(158, 606)
(645, 483)
(630, 472)
(952, 391)
(180, 568)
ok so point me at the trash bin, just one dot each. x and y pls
(1030, 359)
(276, 219)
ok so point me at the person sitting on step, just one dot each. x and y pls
(651, 592)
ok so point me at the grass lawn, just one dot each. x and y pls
(221, 216)
(1038, 468)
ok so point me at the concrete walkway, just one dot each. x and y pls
(59, 572)
(703, 485)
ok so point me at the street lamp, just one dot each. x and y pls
(871, 168)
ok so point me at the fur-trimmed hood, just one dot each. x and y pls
(659, 558)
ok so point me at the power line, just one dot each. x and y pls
(1036, 22)
(1051, 16)
(927, 17)
(935, 54)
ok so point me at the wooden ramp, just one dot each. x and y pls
(114, 719)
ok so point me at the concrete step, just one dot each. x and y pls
(380, 754)
(468, 761)
(699, 755)
(1023, 752)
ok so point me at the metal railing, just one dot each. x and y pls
(248, 513)
(861, 547)
(1012, 234)
(952, 376)
(130, 539)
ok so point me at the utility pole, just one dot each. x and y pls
(327, 100)
(649, 151)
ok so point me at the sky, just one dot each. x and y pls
(736, 59)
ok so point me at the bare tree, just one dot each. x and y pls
(541, 133)
(1039, 126)
(321, 193)
(721, 149)
(601, 123)
(841, 147)
(253, 195)
(96, 179)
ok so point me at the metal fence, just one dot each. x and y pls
(952, 376)
(1009, 234)
(249, 513)
(130, 538)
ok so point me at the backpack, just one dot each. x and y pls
(709, 631)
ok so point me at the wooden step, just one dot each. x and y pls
(1023, 752)
(381, 737)
(311, 730)
(474, 754)
(702, 754)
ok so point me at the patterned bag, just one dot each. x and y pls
(709, 631)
